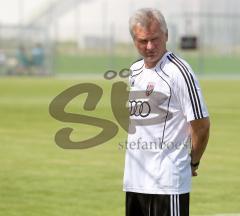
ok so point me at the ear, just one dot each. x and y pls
(166, 34)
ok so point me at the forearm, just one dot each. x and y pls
(199, 135)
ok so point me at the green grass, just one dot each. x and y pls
(209, 64)
(214, 64)
(91, 64)
(39, 178)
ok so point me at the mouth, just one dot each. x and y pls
(151, 54)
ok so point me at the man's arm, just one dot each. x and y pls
(199, 134)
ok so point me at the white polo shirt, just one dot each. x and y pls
(163, 100)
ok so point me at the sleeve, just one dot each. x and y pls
(189, 94)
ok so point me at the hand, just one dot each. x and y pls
(194, 171)
(194, 167)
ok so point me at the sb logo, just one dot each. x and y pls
(119, 98)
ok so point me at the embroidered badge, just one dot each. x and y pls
(150, 88)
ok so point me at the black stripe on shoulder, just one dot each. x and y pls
(193, 85)
(170, 58)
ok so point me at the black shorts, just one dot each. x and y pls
(138, 204)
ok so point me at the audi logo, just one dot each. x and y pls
(139, 108)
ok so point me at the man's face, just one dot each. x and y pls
(150, 42)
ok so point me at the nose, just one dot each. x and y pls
(150, 45)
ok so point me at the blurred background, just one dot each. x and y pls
(47, 46)
(80, 36)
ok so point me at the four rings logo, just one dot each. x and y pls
(139, 108)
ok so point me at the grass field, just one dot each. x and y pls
(39, 178)
(209, 64)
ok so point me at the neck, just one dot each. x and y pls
(150, 64)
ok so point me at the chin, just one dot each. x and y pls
(151, 59)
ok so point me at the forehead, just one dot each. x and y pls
(152, 30)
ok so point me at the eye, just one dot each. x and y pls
(143, 41)
(155, 39)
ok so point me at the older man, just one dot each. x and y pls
(162, 155)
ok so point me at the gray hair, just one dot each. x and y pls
(145, 16)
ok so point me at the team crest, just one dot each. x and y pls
(150, 88)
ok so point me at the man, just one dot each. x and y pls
(161, 155)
